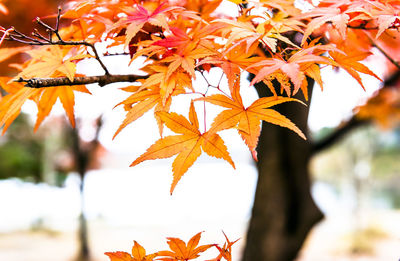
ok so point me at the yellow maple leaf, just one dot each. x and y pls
(188, 145)
(183, 251)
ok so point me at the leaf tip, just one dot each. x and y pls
(254, 155)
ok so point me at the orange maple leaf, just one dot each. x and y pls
(248, 120)
(188, 145)
(351, 63)
(6, 53)
(186, 60)
(231, 62)
(48, 96)
(168, 83)
(45, 98)
(295, 67)
(245, 32)
(137, 17)
(182, 251)
(225, 251)
(142, 101)
(322, 15)
(138, 254)
(10, 105)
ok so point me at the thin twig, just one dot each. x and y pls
(58, 19)
(39, 39)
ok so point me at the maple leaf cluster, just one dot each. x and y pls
(179, 251)
(182, 41)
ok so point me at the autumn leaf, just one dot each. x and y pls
(179, 39)
(142, 101)
(324, 15)
(48, 97)
(188, 145)
(351, 63)
(138, 254)
(167, 83)
(6, 53)
(295, 67)
(10, 105)
(225, 251)
(248, 120)
(137, 17)
(49, 60)
(119, 256)
(232, 62)
(186, 60)
(183, 251)
(386, 16)
(244, 32)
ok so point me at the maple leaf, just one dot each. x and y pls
(167, 81)
(322, 15)
(387, 19)
(350, 63)
(138, 254)
(188, 145)
(139, 16)
(186, 60)
(203, 7)
(295, 67)
(10, 105)
(142, 101)
(181, 250)
(6, 53)
(231, 62)
(246, 32)
(49, 60)
(248, 120)
(225, 251)
(48, 96)
(119, 256)
(182, 38)
(179, 39)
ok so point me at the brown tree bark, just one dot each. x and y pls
(283, 211)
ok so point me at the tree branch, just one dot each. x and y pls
(102, 80)
(339, 133)
(353, 123)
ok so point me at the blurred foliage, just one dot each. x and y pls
(363, 241)
(377, 150)
(21, 152)
(35, 157)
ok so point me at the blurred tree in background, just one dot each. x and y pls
(22, 152)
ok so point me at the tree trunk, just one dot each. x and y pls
(283, 211)
(81, 158)
(83, 253)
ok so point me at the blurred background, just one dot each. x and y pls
(68, 194)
